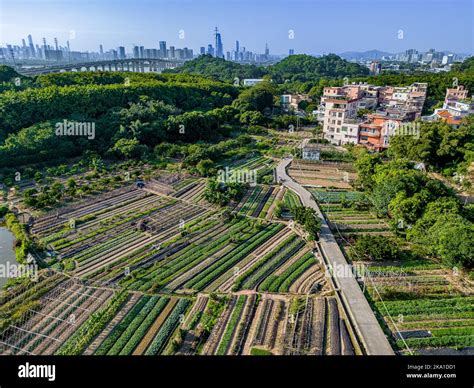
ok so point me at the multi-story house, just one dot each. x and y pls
(290, 102)
(456, 106)
(457, 93)
(375, 133)
(338, 110)
(395, 105)
(339, 106)
(409, 98)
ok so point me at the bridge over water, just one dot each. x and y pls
(139, 65)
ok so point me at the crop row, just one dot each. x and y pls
(231, 325)
(93, 326)
(459, 304)
(335, 196)
(188, 258)
(282, 282)
(269, 263)
(167, 328)
(226, 262)
(119, 329)
(143, 328)
(133, 326)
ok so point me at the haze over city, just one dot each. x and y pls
(311, 27)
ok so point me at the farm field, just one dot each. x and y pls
(76, 317)
(344, 216)
(424, 305)
(431, 306)
(101, 238)
(154, 269)
(322, 174)
(261, 164)
(258, 202)
(275, 324)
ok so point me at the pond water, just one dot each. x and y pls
(7, 253)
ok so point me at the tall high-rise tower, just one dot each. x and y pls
(219, 46)
(32, 46)
(163, 52)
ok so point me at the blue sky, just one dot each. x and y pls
(318, 26)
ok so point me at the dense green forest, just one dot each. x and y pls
(134, 113)
(308, 74)
(420, 208)
(300, 68)
(304, 68)
(219, 69)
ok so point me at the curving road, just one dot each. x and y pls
(362, 316)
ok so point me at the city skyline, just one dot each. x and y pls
(44, 50)
(185, 24)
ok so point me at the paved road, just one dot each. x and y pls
(367, 326)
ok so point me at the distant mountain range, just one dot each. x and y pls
(365, 55)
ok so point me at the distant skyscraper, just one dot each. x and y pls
(56, 43)
(237, 46)
(142, 52)
(172, 54)
(101, 50)
(291, 52)
(267, 51)
(136, 52)
(121, 52)
(202, 50)
(375, 67)
(219, 46)
(163, 48)
(32, 47)
(210, 50)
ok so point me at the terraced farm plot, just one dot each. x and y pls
(322, 174)
(201, 258)
(429, 305)
(192, 190)
(260, 163)
(335, 196)
(344, 218)
(258, 274)
(421, 285)
(107, 240)
(72, 317)
(291, 199)
(257, 202)
(155, 270)
(46, 324)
